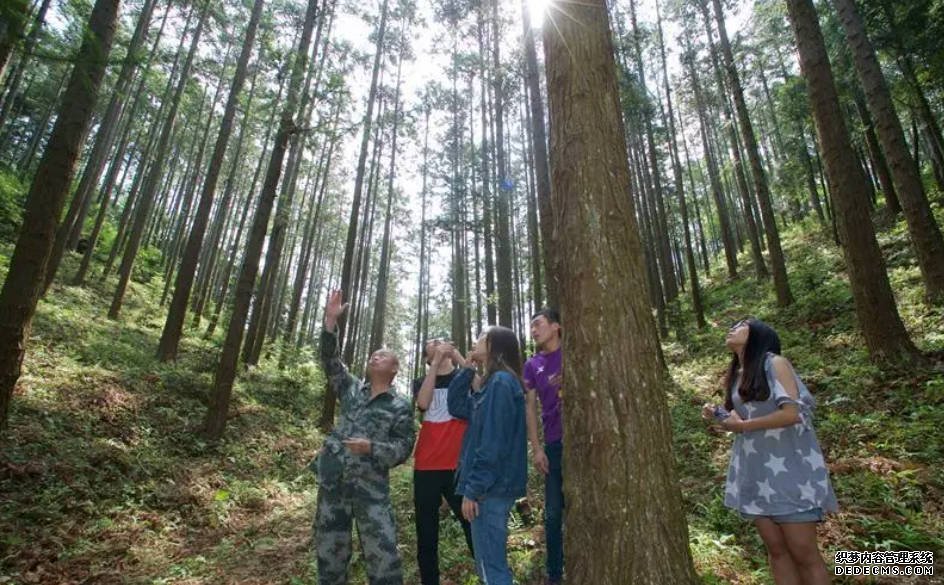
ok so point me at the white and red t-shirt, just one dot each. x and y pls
(440, 439)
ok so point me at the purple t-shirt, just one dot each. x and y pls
(538, 371)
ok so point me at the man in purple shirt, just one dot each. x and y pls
(542, 381)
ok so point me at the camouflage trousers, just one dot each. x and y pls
(338, 508)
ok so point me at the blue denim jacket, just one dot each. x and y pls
(493, 461)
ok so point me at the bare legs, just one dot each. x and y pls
(793, 553)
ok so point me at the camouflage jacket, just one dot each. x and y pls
(386, 420)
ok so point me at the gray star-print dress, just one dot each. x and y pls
(778, 471)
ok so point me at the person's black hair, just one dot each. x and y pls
(548, 313)
(552, 316)
(753, 386)
(504, 353)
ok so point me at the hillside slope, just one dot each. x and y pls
(106, 480)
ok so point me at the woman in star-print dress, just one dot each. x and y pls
(777, 477)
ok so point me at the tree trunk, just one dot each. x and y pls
(611, 344)
(925, 234)
(29, 45)
(268, 287)
(538, 136)
(314, 221)
(215, 421)
(173, 326)
(347, 269)
(534, 236)
(490, 309)
(750, 223)
(260, 165)
(46, 197)
(661, 246)
(155, 175)
(811, 187)
(777, 261)
(383, 277)
(207, 264)
(422, 289)
(502, 196)
(13, 16)
(130, 119)
(727, 235)
(703, 247)
(879, 321)
(457, 226)
(70, 229)
(695, 289)
(879, 162)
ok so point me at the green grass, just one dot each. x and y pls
(106, 479)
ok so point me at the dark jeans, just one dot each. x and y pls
(554, 510)
(429, 488)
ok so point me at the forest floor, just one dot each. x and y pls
(104, 478)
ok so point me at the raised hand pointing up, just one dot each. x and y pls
(334, 309)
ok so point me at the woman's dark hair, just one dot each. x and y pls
(753, 386)
(503, 352)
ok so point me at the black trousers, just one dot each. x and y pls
(429, 488)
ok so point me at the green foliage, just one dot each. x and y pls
(12, 198)
(147, 264)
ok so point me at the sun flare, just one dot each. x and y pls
(538, 9)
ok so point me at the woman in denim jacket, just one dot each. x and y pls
(493, 464)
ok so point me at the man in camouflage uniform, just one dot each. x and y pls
(374, 432)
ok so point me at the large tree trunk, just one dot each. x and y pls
(215, 421)
(46, 197)
(924, 231)
(611, 345)
(173, 327)
(109, 185)
(879, 321)
(70, 229)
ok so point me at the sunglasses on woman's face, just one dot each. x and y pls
(738, 324)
